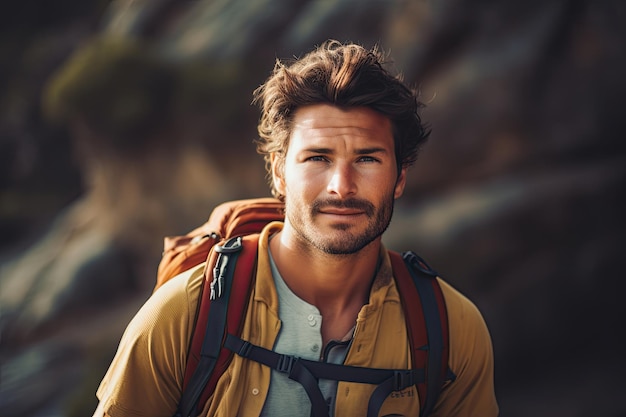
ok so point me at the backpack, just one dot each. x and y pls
(233, 218)
(228, 242)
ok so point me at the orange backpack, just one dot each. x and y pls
(228, 243)
(233, 218)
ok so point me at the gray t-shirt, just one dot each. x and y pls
(300, 335)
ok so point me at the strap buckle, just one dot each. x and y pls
(285, 363)
(418, 263)
(403, 379)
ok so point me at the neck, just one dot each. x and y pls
(338, 285)
(320, 273)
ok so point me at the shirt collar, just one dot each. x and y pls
(383, 287)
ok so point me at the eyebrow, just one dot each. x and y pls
(363, 151)
(367, 151)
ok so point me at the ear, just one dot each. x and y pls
(400, 184)
(278, 173)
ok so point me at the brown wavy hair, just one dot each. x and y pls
(344, 75)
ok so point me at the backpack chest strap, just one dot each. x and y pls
(308, 373)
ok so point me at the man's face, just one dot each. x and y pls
(339, 177)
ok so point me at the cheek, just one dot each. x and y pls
(298, 176)
(300, 185)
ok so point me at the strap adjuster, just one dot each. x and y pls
(403, 379)
(245, 348)
(285, 363)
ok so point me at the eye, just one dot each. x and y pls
(316, 158)
(368, 159)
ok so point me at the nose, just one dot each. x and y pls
(342, 181)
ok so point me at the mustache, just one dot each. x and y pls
(351, 203)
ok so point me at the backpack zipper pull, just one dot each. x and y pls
(219, 272)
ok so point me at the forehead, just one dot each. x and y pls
(325, 121)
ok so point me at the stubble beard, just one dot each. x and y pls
(341, 241)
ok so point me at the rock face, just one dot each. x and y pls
(517, 199)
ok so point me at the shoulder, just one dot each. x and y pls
(168, 314)
(145, 376)
(174, 300)
(459, 306)
(466, 324)
(182, 291)
(470, 359)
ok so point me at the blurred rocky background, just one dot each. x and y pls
(123, 122)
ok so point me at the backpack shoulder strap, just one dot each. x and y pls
(229, 277)
(223, 305)
(427, 323)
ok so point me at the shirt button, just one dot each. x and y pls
(255, 391)
(312, 323)
(311, 317)
(315, 347)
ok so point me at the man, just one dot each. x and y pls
(338, 133)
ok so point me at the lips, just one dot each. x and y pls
(351, 207)
(341, 212)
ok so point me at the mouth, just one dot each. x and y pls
(343, 210)
(332, 211)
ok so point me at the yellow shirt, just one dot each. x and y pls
(145, 377)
